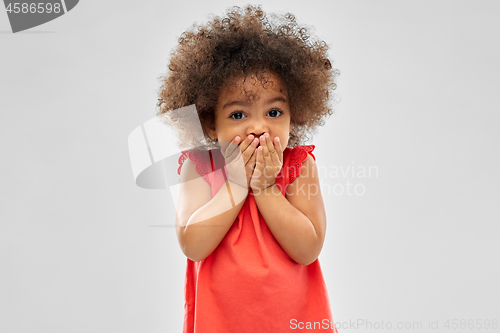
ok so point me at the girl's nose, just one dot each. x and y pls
(257, 135)
(257, 129)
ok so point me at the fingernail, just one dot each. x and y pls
(277, 139)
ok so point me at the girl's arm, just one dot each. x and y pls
(203, 221)
(297, 221)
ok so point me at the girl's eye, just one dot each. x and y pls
(274, 113)
(237, 115)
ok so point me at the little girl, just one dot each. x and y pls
(250, 216)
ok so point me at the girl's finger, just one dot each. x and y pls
(263, 144)
(232, 147)
(279, 149)
(273, 155)
(251, 161)
(246, 143)
(250, 150)
(259, 159)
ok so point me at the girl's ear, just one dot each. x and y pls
(212, 134)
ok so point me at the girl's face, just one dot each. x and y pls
(248, 107)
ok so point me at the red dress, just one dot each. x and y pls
(248, 283)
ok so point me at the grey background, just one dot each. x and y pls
(418, 101)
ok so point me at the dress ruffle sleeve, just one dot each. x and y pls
(297, 157)
(202, 160)
(182, 158)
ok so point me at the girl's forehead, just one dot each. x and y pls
(250, 87)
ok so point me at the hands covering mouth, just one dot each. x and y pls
(254, 162)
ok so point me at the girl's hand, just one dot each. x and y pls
(269, 161)
(240, 160)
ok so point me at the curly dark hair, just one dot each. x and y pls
(243, 43)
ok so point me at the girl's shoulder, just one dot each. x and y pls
(294, 158)
(204, 162)
(300, 152)
(200, 158)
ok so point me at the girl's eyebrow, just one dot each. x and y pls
(276, 99)
(243, 103)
